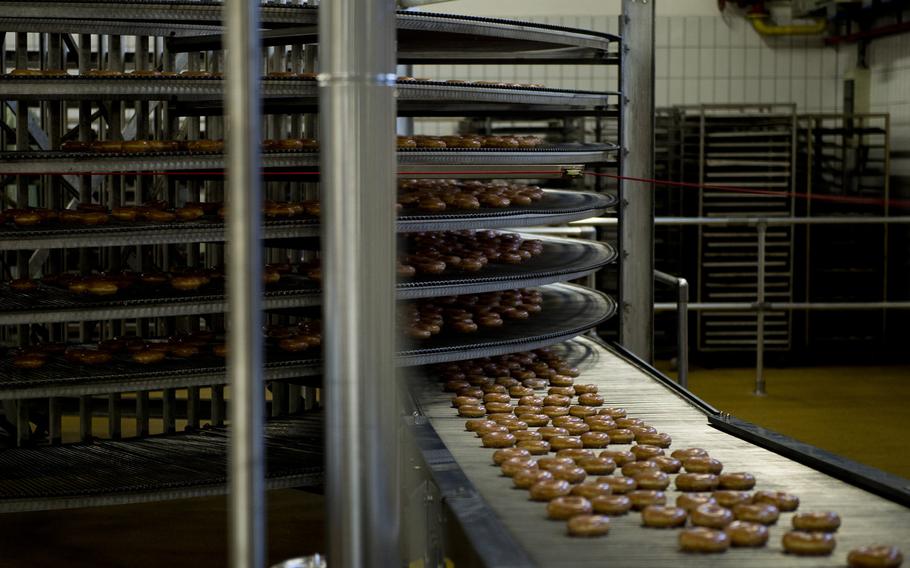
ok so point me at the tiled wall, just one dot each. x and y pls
(889, 64)
(698, 59)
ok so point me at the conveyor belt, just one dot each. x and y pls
(437, 95)
(561, 260)
(454, 160)
(867, 518)
(567, 311)
(153, 469)
(557, 206)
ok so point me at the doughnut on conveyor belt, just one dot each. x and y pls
(867, 518)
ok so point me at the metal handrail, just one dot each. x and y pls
(682, 316)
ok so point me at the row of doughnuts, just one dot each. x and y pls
(191, 146)
(577, 483)
(408, 79)
(468, 141)
(468, 313)
(470, 251)
(440, 195)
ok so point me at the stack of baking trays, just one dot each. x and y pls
(112, 299)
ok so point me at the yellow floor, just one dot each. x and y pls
(859, 412)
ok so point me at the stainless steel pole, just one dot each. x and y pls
(636, 227)
(760, 315)
(357, 134)
(244, 223)
(682, 316)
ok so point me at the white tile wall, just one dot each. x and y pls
(698, 59)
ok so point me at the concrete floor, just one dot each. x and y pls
(860, 412)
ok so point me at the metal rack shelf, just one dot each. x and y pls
(644, 394)
(557, 206)
(568, 311)
(157, 468)
(453, 160)
(422, 36)
(562, 259)
(413, 97)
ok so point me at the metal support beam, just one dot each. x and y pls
(760, 316)
(682, 315)
(357, 118)
(636, 226)
(244, 230)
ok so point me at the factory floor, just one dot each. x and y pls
(859, 412)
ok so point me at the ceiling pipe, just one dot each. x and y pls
(764, 25)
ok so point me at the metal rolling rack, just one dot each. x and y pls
(175, 36)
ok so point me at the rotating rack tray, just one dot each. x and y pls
(154, 469)
(422, 36)
(446, 161)
(557, 206)
(562, 259)
(429, 96)
(567, 311)
(867, 518)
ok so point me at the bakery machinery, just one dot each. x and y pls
(114, 303)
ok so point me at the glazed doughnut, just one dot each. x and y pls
(92, 357)
(878, 556)
(526, 435)
(598, 422)
(568, 506)
(501, 456)
(564, 391)
(745, 534)
(590, 399)
(472, 411)
(531, 400)
(690, 501)
(499, 408)
(557, 400)
(26, 217)
(701, 539)
(498, 440)
(220, 350)
(535, 420)
(515, 425)
(642, 498)
(561, 381)
(185, 351)
(455, 385)
(588, 525)
(464, 400)
(591, 490)
(619, 457)
(23, 284)
(107, 146)
(535, 384)
(626, 422)
(667, 464)
(619, 485)
(582, 411)
(551, 462)
(526, 478)
(136, 146)
(761, 513)
(613, 505)
(482, 431)
(593, 439)
(740, 481)
(189, 213)
(634, 468)
(574, 454)
(148, 356)
(126, 213)
(535, 447)
(642, 430)
(563, 442)
(512, 465)
(658, 439)
(816, 522)
(549, 431)
(100, 287)
(571, 473)
(809, 543)
(548, 490)
(621, 436)
(656, 480)
(585, 389)
(596, 465)
(522, 410)
(785, 502)
(729, 498)
(662, 517)
(613, 413)
(205, 145)
(564, 421)
(683, 454)
(518, 391)
(643, 452)
(187, 283)
(29, 361)
(711, 516)
(703, 465)
(696, 482)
